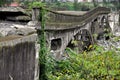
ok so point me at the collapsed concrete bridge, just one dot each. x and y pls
(64, 26)
(61, 28)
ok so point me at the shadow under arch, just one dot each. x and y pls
(106, 29)
(82, 40)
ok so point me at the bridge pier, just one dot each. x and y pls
(58, 41)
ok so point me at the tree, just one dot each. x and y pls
(75, 4)
(104, 3)
(2, 2)
(43, 50)
(94, 3)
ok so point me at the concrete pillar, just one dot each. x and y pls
(35, 14)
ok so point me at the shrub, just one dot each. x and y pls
(95, 65)
(36, 4)
(86, 6)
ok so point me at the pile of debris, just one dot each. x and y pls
(14, 14)
(14, 21)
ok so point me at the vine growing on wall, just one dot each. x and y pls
(42, 42)
(43, 48)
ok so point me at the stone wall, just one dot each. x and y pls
(17, 58)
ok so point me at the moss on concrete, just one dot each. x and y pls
(11, 37)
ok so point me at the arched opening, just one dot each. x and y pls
(93, 26)
(71, 45)
(56, 44)
(105, 29)
(84, 39)
(103, 21)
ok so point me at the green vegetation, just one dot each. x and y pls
(94, 65)
(59, 5)
(71, 6)
(1, 2)
(35, 4)
(42, 53)
(84, 6)
(42, 42)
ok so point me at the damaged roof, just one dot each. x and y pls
(14, 10)
(14, 13)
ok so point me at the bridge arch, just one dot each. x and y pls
(56, 44)
(99, 27)
(83, 39)
(94, 26)
(105, 27)
(70, 27)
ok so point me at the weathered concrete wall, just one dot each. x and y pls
(65, 36)
(56, 17)
(17, 58)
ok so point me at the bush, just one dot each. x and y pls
(86, 6)
(36, 4)
(97, 65)
(61, 6)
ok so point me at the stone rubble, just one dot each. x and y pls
(15, 29)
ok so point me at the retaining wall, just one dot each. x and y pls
(17, 58)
